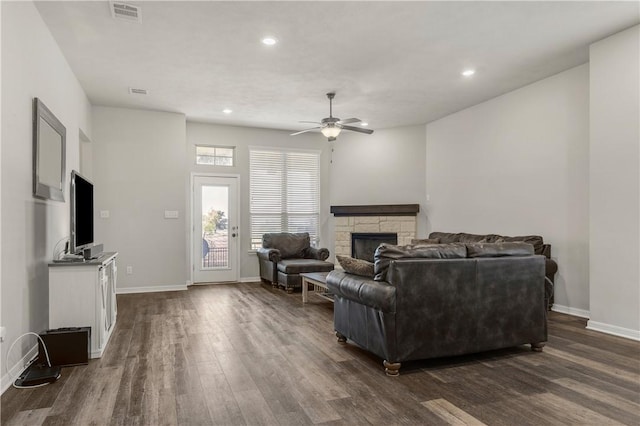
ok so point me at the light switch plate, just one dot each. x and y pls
(171, 214)
(104, 214)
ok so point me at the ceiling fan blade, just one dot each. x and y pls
(305, 131)
(349, 120)
(312, 122)
(357, 129)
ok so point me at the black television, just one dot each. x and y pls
(81, 213)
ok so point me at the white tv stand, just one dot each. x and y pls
(83, 294)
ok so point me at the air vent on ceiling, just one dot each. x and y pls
(137, 91)
(125, 11)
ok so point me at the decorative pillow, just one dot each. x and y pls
(417, 241)
(356, 266)
(385, 253)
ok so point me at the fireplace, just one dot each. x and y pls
(400, 220)
(364, 244)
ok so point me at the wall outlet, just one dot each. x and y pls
(104, 214)
(129, 270)
(3, 333)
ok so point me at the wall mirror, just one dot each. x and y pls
(49, 140)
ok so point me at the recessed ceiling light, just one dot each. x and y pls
(364, 124)
(468, 73)
(227, 111)
(269, 41)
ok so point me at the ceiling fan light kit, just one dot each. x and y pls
(331, 126)
(331, 131)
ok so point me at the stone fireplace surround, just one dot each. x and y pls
(400, 219)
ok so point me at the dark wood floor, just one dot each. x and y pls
(248, 354)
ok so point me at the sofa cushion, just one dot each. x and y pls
(289, 244)
(447, 237)
(385, 253)
(462, 237)
(356, 266)
(416, 241)
(297, 266)
(499, 249)
(535, 240)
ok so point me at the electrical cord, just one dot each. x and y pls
(6, 365)
(57, 252)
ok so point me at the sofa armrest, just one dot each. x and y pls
(550, 268)
(269, 254)
(315, 253)
(376, 294)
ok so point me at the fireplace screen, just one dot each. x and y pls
(364, 245)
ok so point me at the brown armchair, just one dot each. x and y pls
(284, 256)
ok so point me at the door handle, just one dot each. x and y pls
(233, 235)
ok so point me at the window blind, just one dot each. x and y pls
(284, 193)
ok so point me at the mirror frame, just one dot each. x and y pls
(42, 189)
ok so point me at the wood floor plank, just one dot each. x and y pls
(220, 401)
(254, 408)
(317, 409)
(273, 388)
(619, 409)
(619, 373)
(101, 396)
(29, 417)
(450, 413)
(559, 409)
(324, 384)
(191, 409)
(245, 354)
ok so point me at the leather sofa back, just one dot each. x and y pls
(433, 307)
(453, 306)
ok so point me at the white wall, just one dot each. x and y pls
(386, 167)
(138, 173)
(614, 188)
(242, 138)
(32, 66)
(518, 165)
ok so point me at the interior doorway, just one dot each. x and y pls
(215, 227)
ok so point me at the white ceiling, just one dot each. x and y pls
(391, 63)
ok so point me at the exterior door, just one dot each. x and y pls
(215, 229)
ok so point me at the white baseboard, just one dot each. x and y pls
(614, 330)
(571, 311)
(250, 279)
(151, 289)
(598, 326)
(18, 368)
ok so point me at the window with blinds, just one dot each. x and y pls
(285, 192)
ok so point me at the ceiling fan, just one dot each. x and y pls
(332, 126)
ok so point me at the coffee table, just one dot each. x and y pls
(319, 282)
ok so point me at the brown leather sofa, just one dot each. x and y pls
(539, 247)
(442, 300)
(284, 256)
